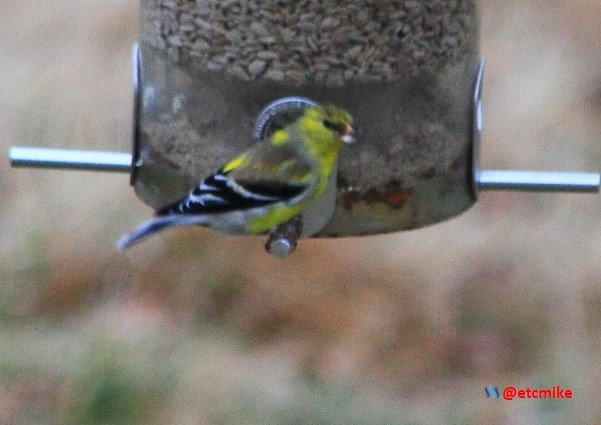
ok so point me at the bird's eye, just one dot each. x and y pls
(329, 124)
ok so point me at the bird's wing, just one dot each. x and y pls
(264, 175)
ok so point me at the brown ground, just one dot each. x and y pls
(195, 328)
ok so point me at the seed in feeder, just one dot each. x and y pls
(350, 199)
(274, 75)
(231, 56)
(229, 3)
(239, 72)
(256, 67)
(178, 104)
(372, 196)
(353, 52)
(215, 66)
(329, 23)
(321, 66)
(174, 54)
(201, 46)
(396, 197)
(267, 55)
(295, 76)
(450, 41)
(268, 40)
(187, 28)
(335, 79)
(176, 41)
(306, 27)
(233, 36)
(203, 25)
(259, 29)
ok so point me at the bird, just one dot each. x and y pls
(272, 182)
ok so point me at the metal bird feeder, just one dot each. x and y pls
(408, 71)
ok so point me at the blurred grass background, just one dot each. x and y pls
(197, 328)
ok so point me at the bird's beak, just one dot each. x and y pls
(348, 135)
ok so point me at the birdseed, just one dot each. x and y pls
(373, 40)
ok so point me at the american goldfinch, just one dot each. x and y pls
(272, 182)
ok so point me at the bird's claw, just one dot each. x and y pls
(284, 238)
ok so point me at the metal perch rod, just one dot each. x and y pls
(532, 181)
(538, 181)
(70, 159)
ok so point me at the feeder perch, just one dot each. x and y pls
(212, 78)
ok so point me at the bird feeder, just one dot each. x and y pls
(213, 77)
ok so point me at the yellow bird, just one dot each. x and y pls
(269, 184)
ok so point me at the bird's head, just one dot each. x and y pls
(328, 125)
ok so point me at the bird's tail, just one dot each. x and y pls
(158, 224)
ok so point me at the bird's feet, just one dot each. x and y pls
(284, 238)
